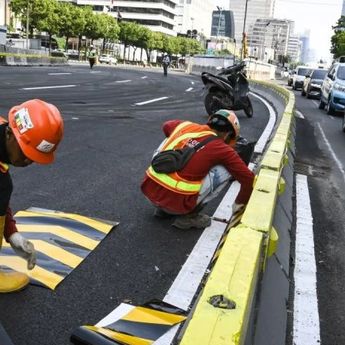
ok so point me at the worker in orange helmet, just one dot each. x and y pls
(184, 193)
(31, 134)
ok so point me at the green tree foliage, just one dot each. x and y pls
(338, 39)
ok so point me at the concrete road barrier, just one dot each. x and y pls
(244, 300)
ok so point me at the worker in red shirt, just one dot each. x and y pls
(185, 192)
(32, 133)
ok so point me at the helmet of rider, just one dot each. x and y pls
(226, 121)
(38, 128)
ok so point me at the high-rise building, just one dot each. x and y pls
(194, 15)
(305, 41)
(255, 9)
(343, 9)
(157, 15)
(223, 24)
(270, 36)
(294, 48)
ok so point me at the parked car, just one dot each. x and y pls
(333, 89)
(312, 83)
(299, 76)
(106, 58)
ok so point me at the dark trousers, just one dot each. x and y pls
(165, 69)
(92, 61)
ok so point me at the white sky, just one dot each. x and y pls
(318, 16)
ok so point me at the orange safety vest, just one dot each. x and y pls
(178, 139)
(3, 166)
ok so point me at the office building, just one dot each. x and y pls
(255, 9)
(223, 24)
(305, 46)
(157, 15)
(294, 48)
(269, 38)
(194, 15)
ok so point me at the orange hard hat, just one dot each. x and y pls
(38, 128)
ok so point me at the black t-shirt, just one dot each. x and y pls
(5, 178)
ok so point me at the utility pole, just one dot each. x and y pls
(27, 24)
(244, 29)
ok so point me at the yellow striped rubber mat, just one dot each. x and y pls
(62, 241)
(133, 325)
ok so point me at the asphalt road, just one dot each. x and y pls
(107, 146)
(320, 155)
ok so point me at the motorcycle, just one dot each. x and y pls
(228, 89)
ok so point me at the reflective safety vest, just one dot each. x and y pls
(3, 166)
(178, 139)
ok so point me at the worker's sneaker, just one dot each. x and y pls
(12, 281)
(159, 213)
(188, 221)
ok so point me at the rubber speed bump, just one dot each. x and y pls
(139, 325)
(62, 241)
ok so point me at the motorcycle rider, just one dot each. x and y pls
(184, 194)
(32, 133)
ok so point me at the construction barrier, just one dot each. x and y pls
(244, 300)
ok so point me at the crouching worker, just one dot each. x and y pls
(32, 133)
(184, 193)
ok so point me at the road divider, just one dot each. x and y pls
(244, 298)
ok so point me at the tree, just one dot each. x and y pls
(338, 39)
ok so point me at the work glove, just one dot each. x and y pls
(23, 248)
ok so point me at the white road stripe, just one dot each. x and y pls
(123, 81)
(192, 82)
(299, 114)
(334, 156)
(62, 73)
(151, 101)
(260, 145)
(315, 102)
(144, 77)
(306, 323)
(48, 87)
(189, 89)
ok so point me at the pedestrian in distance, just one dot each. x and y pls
(92, 56)
(166, 64)
(184, 193)
(31, 134)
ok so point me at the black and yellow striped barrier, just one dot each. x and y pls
(222, 313)
(62, 241)
(142, 325)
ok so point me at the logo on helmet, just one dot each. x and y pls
(45, 146)
(23, 120)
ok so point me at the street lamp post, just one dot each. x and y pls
(244, 29)
(27, 24)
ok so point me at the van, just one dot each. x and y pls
(333, 89)
(299, 76)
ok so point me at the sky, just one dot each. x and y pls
(318, 16)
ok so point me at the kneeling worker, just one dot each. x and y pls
(32, 133)
(184, 194)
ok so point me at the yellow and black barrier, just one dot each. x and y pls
(142, 325)
(242, 261)
(62, 241)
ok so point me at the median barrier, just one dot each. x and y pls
(250, 278)
(9, 59)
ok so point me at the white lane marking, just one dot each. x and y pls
(192, 82)
(151, 101)
(123, 81)
(306, 323)
(47, 87)
(116, 314)
(75, 118)
(60, 73)
(144, 77)
(315, 102)
(299, 114)
(189, 89)
(260, 145)
(334, 156)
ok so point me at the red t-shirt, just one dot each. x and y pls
(214, 153)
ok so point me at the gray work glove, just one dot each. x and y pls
(23, 248)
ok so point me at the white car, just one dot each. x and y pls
(106, 58)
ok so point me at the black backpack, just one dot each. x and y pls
(166, 162)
